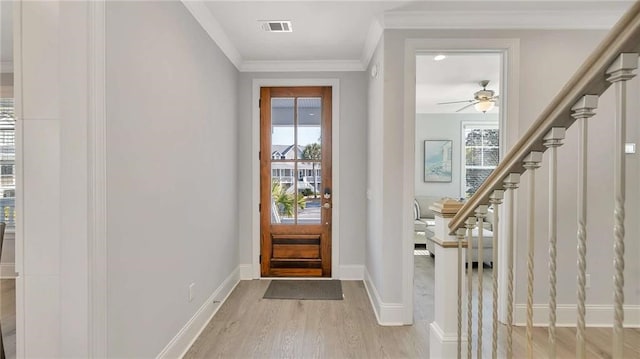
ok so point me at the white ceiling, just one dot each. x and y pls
(456, 78)
(341, 35)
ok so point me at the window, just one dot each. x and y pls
(481, 154)
(7, 162)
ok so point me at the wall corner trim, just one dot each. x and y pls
(180, 344)
(387, 314)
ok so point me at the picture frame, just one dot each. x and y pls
(438, 160)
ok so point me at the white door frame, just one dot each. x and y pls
(255, 166)
(510, 50)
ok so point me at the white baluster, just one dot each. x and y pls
(495, 199)
(619, 73)
(481, 213)
(511, 183)
(460, 236)
(582, 111)
(470, 223)
(531, 163)
(553, 140)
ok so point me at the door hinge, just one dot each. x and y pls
(260, 259)
(259, 207)
(260, 103)
(259, 155)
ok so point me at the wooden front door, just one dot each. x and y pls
(295, 181)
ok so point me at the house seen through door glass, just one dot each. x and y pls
(296, 160)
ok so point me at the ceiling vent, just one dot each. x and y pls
(277, 26)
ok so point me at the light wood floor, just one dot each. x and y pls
(248, 326)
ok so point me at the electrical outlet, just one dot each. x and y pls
(587, 283)
(192, 291)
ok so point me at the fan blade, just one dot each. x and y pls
(448, 103)
(467, 106)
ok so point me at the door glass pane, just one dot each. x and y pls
(310, 194)
(283, 200)
(309, 135)
(282, 129)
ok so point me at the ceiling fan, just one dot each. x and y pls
(483, 100)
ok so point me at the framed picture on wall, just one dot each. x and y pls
(437, 160)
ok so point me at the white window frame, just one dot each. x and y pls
(463, 153)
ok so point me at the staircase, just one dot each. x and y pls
(612, 64)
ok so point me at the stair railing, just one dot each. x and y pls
(612, 63)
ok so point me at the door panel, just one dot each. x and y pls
(295, 181)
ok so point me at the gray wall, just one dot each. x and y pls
(172, 172)
(431, 126)
(353, 160)
(374, 264)
(547, 60)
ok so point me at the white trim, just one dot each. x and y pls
(97, 180)
(446, 346)
(300, 66)
(510, 48)
(371, 42)
(212, 27)
(19, 206)
(255, 164)
(351, 272)
(8, 271)
(6, 67)
(463, 159)
(495, 18)
(596, 315)
(387, 314)
(246, 272)
(180, 344)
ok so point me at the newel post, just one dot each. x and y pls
(447, 291)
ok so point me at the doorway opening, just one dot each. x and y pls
(458, 141)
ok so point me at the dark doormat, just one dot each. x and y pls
(304, 290)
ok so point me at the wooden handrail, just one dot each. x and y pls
(590, 79)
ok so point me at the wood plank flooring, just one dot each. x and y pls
(248, 326)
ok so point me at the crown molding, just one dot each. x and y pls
(212, 27)
(504, 19)
(371, 42)
(298, 66)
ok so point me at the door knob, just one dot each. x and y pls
(326, 205)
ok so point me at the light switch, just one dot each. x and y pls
(629, 148)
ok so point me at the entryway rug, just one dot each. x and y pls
(304, 290)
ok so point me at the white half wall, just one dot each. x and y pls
(172, 179)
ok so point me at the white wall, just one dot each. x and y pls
(547, 60)
(430, 126)
(352, 161)
(374, 248)
(172, 178)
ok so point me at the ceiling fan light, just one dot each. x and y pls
(484, 106)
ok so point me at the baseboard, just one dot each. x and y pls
(566, 314)
(351, 272)
(246, 272)
(387, 314)
(7, 271)
(179, 345)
